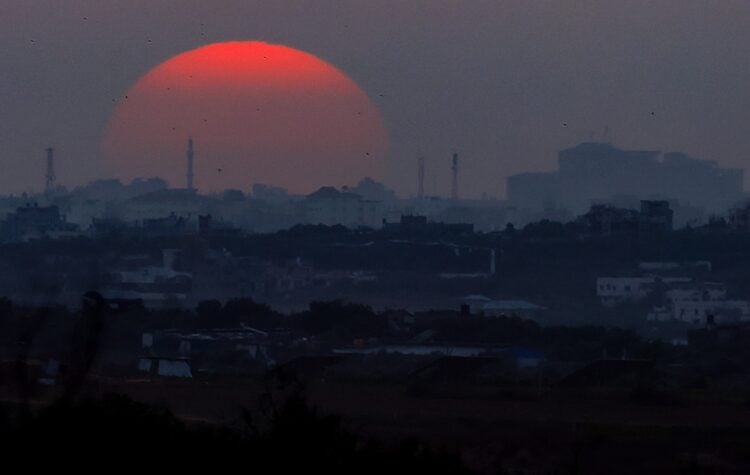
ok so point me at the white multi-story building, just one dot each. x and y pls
(617, 290)
(694, 304)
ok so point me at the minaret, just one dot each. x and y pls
(49, 183)
(190, 164)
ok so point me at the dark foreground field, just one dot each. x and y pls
(547, 431)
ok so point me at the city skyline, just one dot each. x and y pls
(484, 237)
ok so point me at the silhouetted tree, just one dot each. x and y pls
(210, 314)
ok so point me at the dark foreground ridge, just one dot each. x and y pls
(341, 388)
(285, 439)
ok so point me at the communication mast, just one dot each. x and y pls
(190, 164)
(49, 182)
(420, 177)
(454, 170)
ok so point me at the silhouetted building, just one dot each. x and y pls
(210, 227)
(604, 220)
(179, 201)
(418, 226)
(330, 206)
(738, 218)
(598, 171)
(108, 226)
(271, 194)
(656, 215)
(167, 226)
(372, 190)
(34, 221)
(534, 191)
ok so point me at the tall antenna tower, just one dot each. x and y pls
(190, 164)
(49, 182)
(454, 170)
(420, 177)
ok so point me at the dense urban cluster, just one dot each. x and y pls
(350, 295)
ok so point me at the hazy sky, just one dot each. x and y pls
(505, 83)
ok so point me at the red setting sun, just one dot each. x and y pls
(257, 112)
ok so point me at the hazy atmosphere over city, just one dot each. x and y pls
(369, 237)
(504, 83)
